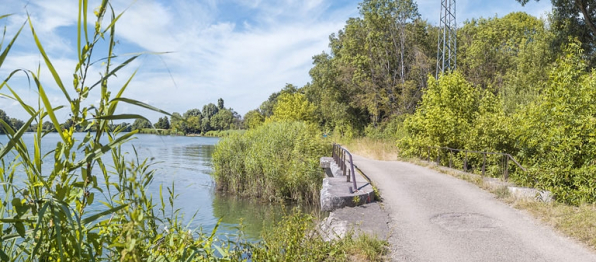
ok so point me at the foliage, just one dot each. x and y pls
(14, 123)
(574, 19)
(140, 124)
(253, 119)
(162, 123)
(378, 65)
(444, 117)
(293, 107)
(557, 132)
(506, 55)
(276, 161)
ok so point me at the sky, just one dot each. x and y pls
(196, 51)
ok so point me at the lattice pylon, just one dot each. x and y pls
(447, 44)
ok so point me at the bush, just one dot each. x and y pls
(276, 161)
(445, 116)
(556, 134)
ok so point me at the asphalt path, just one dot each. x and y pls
(436, 217)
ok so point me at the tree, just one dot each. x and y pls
(556, 133)
(47, 126)
(177, 123)
(209, 110)
(445, 116)
(193, 112)
(5, 119)
(575, 19)
(506, 55)
(294, 107)
(220, 103)
(266, 107)
(193, 125)
(223, 120)
(140, 123)
(16, 124)
(162, 123)
(253, 119)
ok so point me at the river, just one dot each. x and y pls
(187, 162)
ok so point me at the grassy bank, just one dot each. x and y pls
(296, 238)
(381, 149)
(277, 161)
(163, 132)
(224, 133)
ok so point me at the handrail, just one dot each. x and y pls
(484, 153)
(339, 156)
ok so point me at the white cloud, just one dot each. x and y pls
(239, 50)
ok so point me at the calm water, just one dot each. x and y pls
(186, 162)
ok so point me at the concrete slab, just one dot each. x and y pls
(370, 219)
(337, 192)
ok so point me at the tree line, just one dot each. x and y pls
(193, 121)
(522, 86)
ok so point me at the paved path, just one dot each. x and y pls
(436, 217)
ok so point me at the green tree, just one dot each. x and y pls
(16, 124)
(557, 134)
(223, 120)
(139, 124)
(177, 123)
(266, 107)
(294, 107)
(162, 123)
(445, 116)
(220, 104)
(193, 121)
(3, 118)
(574, 19)
(253, 119)
(193, 125)
(506, 55)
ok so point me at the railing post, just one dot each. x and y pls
(438, 156)
(353, 174)
(343, 162)
(428, 154)
(348, 175)
(506, 167)
(483, 164)
(450, 157)
(466, 162)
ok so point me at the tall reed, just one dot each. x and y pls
(276, 161)
(71, 204)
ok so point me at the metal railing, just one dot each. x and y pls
(340, 156)
(506, 157)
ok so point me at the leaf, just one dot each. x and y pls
(103, 213)
(121, 117)
(49, 66)
(7, 49)
(141, 104)
(16, 137)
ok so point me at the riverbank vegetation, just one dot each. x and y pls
(277, 161)
(522, 87)
(86, 201)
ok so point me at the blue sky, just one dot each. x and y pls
(239, 50)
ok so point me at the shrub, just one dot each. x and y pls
(556, 134)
